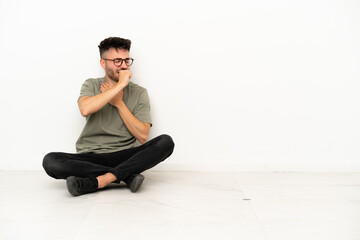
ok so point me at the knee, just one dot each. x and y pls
(50, 164)
(167, 143)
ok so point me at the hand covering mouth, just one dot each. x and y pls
(121, 69)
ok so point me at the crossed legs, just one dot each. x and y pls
(109, 167)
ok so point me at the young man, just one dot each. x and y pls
(117, 114)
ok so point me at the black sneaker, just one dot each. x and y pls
(134, 181)
(78, 186)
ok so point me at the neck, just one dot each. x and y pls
(109, 80)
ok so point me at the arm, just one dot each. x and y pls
(89, 105)
(136, 127)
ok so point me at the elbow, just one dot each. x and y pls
(144, 136)
(143, 139)
(84, 112)
(84, 106)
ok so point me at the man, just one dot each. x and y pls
(117, 114)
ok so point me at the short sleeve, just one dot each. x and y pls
(87, 89)
(142, 111)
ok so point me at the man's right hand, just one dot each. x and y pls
(117, 99)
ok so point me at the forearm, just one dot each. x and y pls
(137, 128)
(89, 105)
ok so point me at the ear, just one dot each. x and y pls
(102, 63)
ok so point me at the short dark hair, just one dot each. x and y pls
(114, 42)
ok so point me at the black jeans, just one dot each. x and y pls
(121, 163)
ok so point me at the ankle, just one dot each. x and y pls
(104, 180)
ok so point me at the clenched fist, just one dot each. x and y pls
(124, 77)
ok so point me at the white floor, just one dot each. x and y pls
(185, 205)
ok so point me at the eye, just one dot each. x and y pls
(117, 60)
(129, 61)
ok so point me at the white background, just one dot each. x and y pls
(239, 85)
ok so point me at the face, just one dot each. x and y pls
(112, 71)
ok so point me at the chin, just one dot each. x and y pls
(115, 79)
